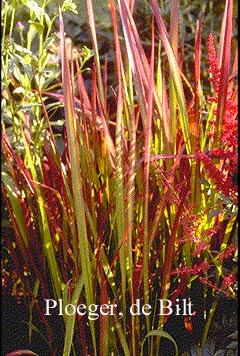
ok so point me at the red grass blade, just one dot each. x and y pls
(224, 63)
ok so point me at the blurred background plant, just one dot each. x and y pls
(119, 163)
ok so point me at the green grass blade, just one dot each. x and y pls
(175, 72)
(74, 152)
(70, 319)
(95, 45)
(160, 333)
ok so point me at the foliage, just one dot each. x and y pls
(124, 205)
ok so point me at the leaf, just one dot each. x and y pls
(16, 206)
(33, 6)
(70, 321)
(175, 73)
(81, 241)
(160, 333)
(69, 5)
(37, 26)
(32, 327)
(224, 63)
